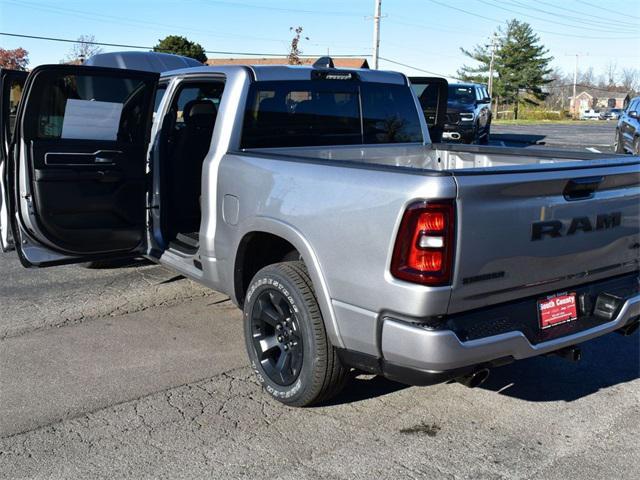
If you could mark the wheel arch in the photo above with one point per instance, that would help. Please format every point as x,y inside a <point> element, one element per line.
<point>279,236</point>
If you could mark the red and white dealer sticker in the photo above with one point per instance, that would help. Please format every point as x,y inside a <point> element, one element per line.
<point>557,309</point>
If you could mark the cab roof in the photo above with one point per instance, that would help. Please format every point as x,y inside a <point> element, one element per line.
<point>145,61</point>
<point>291,72</point>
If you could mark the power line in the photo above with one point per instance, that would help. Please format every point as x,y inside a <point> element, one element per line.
<point>626,15</point>
<point>122,45</point>
<point>419,69</point>
<point>140,23</point>
<point>109,19</point>
<point>562,24</point>
<point>542,31</point>
<point>599,21</point>
<point>281,9</point>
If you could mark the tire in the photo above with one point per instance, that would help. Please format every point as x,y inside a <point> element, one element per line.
<point>618,144</point>
<point>636,146</point>
<point>484,139</point>
<point>472,138</point>
<point>285,337</point>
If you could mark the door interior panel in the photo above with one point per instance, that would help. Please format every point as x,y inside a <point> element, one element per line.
<point>432,93</point>
<point>88,187</point>
<point>86,206</point>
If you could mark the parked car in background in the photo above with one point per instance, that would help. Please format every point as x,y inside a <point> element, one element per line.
<point>468,117</point>
<point>611,114</point>
<point>627,139</point>
<point>590,115</point>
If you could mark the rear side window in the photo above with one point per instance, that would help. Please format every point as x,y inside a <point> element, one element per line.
<point>89,106</point>
<point>318,113</point>
<point>389,114</point>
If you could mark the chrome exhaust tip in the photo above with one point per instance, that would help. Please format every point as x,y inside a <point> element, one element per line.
<point>474,379</point>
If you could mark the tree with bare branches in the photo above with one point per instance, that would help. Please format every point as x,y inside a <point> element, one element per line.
<point>295,52</point>
<point>83,49</point>
<point>630,78</point>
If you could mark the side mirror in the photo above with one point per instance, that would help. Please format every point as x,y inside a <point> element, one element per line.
<point>634,114</point>
<point>486,100</point>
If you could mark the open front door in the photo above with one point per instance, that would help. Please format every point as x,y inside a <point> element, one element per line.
<point>78,164</point>
<point>433,93</point>
<point>11,86</point>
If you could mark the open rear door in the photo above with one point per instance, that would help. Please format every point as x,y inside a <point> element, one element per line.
<point>432,92</point>
<point>11,86</point>
<point>78,164</point>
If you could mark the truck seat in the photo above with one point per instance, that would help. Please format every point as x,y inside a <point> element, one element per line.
<point>186,166</point>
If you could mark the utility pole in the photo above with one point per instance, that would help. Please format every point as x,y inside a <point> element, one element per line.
<point>575,84</point>
<point>376,33</point>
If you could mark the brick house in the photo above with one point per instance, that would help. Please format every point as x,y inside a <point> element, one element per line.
<point>597,100</point>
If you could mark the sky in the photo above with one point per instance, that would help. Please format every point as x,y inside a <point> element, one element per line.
<point>423,35</point>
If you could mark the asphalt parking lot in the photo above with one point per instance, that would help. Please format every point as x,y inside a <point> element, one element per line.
<point>592,136</point>
<point>133,372</point>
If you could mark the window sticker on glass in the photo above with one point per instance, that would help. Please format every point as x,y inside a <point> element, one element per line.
<point>91,120</point>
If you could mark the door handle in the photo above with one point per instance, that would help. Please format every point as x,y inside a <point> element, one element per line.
<point>106,156</point>
<point>101,157</point>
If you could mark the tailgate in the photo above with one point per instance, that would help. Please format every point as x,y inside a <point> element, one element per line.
<point>523,234</point>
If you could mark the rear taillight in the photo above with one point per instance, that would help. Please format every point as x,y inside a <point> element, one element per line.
<point>423,252</point>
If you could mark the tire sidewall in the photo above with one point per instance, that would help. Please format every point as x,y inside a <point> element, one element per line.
<point>619,147</point>
<point>267,279</point>
<point>484,140</point>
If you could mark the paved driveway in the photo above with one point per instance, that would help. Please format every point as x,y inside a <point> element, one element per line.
<point>136,373</point>
<point>594,136</point>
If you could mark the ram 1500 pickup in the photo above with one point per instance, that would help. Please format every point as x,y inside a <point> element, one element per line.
<point>315,199</point>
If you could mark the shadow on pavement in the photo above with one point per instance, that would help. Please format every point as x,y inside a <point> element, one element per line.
<point>518,139</point>
<point>606,361</point>
<point>118,263</point>
<point>363,388</point>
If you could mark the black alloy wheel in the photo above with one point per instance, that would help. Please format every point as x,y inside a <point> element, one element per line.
<point>287,343</point>
<point>276,337</point>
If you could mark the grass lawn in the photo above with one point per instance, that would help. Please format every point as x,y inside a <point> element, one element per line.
<point>544,122</point>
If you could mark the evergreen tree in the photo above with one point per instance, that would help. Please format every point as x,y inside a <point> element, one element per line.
<point>521,65</point>
<point>181,46</point>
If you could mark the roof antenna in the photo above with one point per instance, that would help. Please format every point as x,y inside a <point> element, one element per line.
<point>324,62</point>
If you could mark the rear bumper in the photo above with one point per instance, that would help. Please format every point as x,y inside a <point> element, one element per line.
<point>408,346</point>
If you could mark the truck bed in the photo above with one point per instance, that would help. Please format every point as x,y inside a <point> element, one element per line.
<point>502,195</point>
<point>460,159</point>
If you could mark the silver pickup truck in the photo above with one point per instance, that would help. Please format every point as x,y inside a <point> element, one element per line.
<point>315,199</point>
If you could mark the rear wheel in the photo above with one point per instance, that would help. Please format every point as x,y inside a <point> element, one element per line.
<point>286,340</point>
<point>618,143</point>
